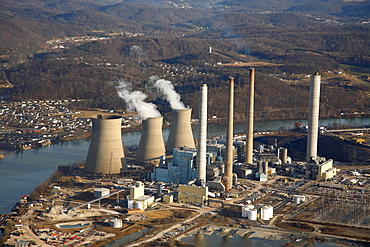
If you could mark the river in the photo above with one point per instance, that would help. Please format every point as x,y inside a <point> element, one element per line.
<point>21,172</point>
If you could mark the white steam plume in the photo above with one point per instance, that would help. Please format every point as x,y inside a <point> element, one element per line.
<point>135,101</point>
<point>168,91</point>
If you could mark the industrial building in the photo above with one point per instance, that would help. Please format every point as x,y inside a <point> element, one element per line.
<point>193,194</point>
<point>137,197</point>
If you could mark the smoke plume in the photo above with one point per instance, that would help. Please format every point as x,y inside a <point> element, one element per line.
<point>135,101</point>
<point>168,91</point>
<point>137,52</point>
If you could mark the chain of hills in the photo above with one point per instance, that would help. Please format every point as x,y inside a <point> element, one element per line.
<point>52,49</point>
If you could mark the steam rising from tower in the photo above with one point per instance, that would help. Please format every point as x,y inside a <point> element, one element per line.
<point>135,101</point>
<point>202,143</point>
<point>313,118</point>
<point>105,155</point>
<point>168,91</point>
<point>250,116</point>
<point>230,136</point>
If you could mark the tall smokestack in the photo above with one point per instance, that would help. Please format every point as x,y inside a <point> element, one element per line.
<point>250,116</point>
<point>202,143</point>
<point>105,155</point>
<point>181,133</point>
<point>151,146</point>
<point>313,118</point>
<point>230,136</point>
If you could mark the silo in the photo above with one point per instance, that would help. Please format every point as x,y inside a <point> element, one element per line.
<point>230,136</point>
<point>250,116</point>
<point>181,133</point>
<point>313,118</point>
<point>105,155</point>
<point>151,145</point>
<point>202,143</point>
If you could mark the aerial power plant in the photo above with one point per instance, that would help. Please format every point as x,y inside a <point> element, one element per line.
<point>105,155</point>
<point>256,185</point>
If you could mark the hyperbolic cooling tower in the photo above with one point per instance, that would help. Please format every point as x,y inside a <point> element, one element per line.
<point>105,155</point>
<point>202,143</point>
<point>313,117</point>
<point>180,132</point>
<point>250,116</point>
<point>151,146</point>
<point>230,136</point>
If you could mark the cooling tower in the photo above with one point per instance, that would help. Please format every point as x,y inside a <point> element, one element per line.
<point>180,132</point>
<point>105,155</point>
<point>313,118</point>
<point>202,143</point>
<point>230,136</point>
<point>151,146</point>
<point>250,116</point>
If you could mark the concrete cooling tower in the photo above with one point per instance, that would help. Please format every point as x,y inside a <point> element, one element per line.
<point>151,146</point>
<point>181,133</point>
<point>105,155</point>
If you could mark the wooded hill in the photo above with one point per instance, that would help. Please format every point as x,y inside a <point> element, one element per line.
<point>173,42</point>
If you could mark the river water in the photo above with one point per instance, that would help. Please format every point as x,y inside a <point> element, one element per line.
<point>21,172</point>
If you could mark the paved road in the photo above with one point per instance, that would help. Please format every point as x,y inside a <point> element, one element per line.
<point>162,233</point>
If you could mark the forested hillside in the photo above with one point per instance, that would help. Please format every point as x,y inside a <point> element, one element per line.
<point>82,48</point>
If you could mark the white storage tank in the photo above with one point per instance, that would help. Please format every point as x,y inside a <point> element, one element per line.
<point>100,192</point>
<point>252,214</point>
<point>299,199</point>
<point>116,223</point>
<point>267,212</point>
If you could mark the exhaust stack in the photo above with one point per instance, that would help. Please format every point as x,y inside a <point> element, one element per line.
<point>202,143</point>
<point>230,136</point>
<point>250,116</point>
<point>313,118</point>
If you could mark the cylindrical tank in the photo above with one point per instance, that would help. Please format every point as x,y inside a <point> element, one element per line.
<point>313,118</point>
<point>252,214</point>
<point>267,212</point>
<point>139,205</point>
<point>230,135</point>
<point>105,155</point>
<point>181,133</point>
<point>250,118</point>
<point>202,144</point>
<point>116,223</point>
<point>151,146</point>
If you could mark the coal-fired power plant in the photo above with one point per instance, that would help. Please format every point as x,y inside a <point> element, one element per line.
<point>151,145</point>
<point>250,116</point>
<point>230,136</point>
<point>105,155</point>
<point>181,133</point>
<point>202,141</point>
<point>313,118</point>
